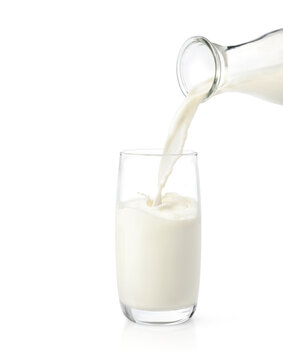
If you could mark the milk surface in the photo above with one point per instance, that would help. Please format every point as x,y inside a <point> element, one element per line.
<point>158,253</point>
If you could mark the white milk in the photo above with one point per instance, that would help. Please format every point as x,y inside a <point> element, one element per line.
<point>158,253</point>
<point>266,84</point>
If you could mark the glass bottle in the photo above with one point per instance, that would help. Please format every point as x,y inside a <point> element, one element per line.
<point>254,67</point>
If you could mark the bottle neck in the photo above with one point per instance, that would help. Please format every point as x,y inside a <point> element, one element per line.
<point>200,62</point>
<point>254,67</point>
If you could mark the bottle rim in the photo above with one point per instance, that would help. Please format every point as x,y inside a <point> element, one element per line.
<point>217,64</point>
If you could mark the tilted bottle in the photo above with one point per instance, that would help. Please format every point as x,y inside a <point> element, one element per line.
<point>254,67</point>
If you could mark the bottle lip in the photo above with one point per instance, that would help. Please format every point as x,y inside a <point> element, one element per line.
<point>217,64</point>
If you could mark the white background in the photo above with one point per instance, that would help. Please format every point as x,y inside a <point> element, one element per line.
<point>81,80</point>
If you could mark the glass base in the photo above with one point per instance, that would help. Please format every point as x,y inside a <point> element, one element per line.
<point>168,317</point>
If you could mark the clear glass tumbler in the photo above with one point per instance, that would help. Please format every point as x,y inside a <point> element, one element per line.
<point>158,247</point>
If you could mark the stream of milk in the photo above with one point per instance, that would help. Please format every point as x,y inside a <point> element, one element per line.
<point>177,136</point>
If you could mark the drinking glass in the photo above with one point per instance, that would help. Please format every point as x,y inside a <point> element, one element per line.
<point>158,248</point>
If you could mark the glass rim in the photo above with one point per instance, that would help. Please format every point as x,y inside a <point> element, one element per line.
<point>155,152</point>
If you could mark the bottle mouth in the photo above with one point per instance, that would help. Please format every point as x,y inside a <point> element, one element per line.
<point>198,63</point>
